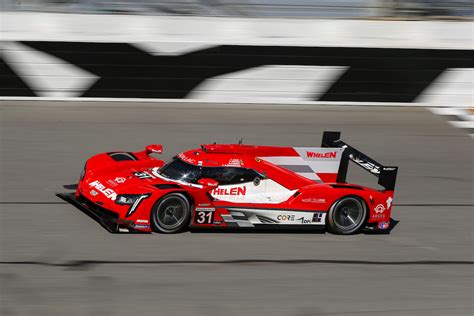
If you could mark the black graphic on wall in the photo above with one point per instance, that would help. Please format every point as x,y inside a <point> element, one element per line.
<point>373,75</point>
<point>11,84</point>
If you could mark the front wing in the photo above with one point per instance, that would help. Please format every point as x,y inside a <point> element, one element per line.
<point>107,219</point>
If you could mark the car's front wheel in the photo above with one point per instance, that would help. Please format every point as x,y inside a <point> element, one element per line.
<point>347,216</point>
<point>171,214</point>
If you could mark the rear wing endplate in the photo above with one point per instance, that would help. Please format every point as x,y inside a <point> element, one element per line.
<point>387,175</point>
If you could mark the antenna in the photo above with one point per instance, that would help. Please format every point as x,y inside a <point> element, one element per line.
<point>240,141</point>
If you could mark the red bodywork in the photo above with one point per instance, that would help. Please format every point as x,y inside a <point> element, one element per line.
<point>285,191</point>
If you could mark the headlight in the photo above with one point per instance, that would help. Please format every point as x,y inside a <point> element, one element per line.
<point>127,199</point>
<point>131,199</point>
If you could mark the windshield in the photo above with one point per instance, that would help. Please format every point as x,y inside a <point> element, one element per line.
<point>177,169</point>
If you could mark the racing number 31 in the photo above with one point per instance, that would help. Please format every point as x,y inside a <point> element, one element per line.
<point>204,217</point>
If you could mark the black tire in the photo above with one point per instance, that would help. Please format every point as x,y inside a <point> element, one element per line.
<point>171,214</point>
<point>347,216</point>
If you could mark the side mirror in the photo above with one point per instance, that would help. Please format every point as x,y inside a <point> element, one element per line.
<point>154,149</point>
<point>208,184</point>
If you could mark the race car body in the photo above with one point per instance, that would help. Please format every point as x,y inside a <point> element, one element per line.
<point>235,186</point>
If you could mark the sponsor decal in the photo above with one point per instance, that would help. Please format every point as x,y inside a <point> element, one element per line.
<point>234,163</point>
<point>293,219</point>
<point>93,193</point>
<point>109,193</point>
<point>384,225</point>
<point>267,192</point>
<point>365,164</point>
<point>314,200</point>
<point>317,217</point>
<point>389,202</point>
<point>120,179</point>
<point>187,159</point>
<point>377,216</point>
<point>142,226</point>
<point>205,209</point>
<point>285,217</point>
<point>303,220</point>
<point>379,209</point>
<point>314,154</point>
<point>229,191</point>
<point>142,221</point>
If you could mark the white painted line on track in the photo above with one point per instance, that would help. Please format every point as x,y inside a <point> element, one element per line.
<point>463,118</point>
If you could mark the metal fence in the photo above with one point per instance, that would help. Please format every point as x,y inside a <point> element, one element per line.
<point>397,9</point>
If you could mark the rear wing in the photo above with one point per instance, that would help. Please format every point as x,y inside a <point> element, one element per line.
<point>387,175</point>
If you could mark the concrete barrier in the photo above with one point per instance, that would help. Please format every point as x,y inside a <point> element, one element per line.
<point>236,60</point>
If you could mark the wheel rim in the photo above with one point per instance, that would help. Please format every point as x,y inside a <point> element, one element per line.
<point>171,213</point>
<point>349,214</point>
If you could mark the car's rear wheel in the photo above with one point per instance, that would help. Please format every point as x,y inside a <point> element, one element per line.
<point>171,214</point>
<point>347,216</point>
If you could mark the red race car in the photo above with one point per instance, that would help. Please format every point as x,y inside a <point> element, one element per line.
<point>235,186</point>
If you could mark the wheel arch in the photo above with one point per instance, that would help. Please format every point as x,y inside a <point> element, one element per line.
<point>182,192</point>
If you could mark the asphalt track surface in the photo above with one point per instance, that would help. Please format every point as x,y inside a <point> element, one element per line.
<point>57,261</point>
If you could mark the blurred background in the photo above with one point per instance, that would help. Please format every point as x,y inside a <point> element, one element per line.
<point>82,77</point>
<point>388,9</point>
